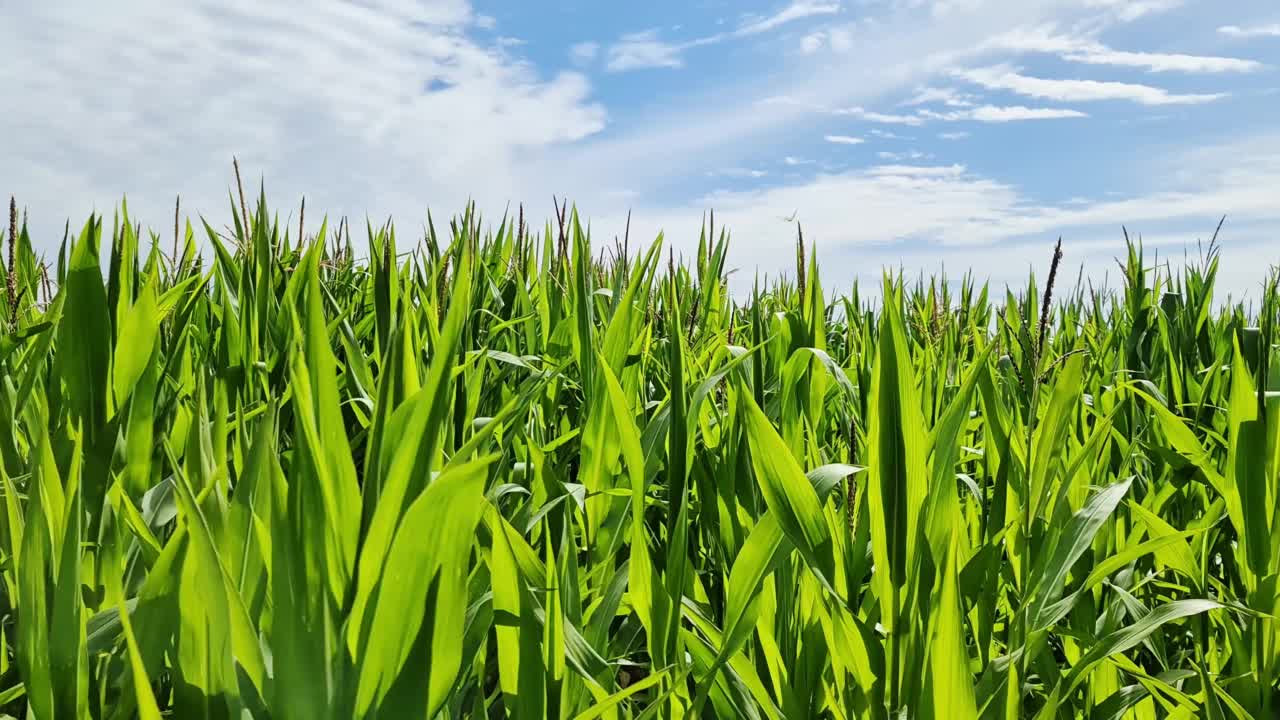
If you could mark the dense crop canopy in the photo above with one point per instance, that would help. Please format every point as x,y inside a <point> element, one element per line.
<point>500,473</point>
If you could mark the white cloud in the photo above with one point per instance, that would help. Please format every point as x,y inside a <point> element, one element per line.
<point>946,96</point>
<point>1250,32</point>
<point>894,202</point>
<point>899,157</point>
<point>997,114</point>
<point>787,100</point>
<point>1045,39</point>
<point>643,50</point>
<point>841,39</point>
<point>963,111</point>
<point>1161,62</point>
<point>917,171</point>
<point>1130,10</point>
<point>844,139</point>
<point>877,117</point>
<point>486,22</point>
<point>812,43</point>
<point>584,52</point>
<point>953,135</point>
<point>1041,38</point>
<point>943,8</point>
<point>797,10</point>
<point>396,93</point>
<point>886,135</point>
<point>858,112</point>
<point>1004,78</point>
<point>960,112</point>
<point>1003,114</point>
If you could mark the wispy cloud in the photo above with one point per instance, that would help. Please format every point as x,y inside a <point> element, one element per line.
<point>1070,90</point>
<point>904,156</point>
<point>643,50</point>
<point>844,139</point>
<point>917,170</point>
<point>1130,10</point>
<point>812,42</point>
<point>1045,39</point>
<point>886,135</point>
<point>953,135</point>
<point>1003,114</point>
<point>947,96</point>
<point>840,39</point>
<point>960,110</point>
<point>878,117</point>
<point>1237,31</point>
<point>584,52</point>
<point>1161,62</point>
<point>797,10</point>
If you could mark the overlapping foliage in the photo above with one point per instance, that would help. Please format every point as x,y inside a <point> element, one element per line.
<point>500,473</point>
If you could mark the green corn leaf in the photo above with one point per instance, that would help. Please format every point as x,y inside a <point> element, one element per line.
<point>147,707</point>
<point>790,497</point>
<point>951,680</point>
<point>1131,635</point>
<point>1074,539</point>
<point>139,331</point>
<point>443,520</point>
<point>84,336</point>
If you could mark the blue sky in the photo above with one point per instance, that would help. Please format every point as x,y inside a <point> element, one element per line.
<point>914,133</point>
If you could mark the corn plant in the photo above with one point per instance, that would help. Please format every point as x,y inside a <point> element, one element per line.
<point>269,471</point>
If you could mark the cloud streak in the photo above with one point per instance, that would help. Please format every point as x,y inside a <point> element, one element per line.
<point>877,117</point>
<point>643,50</point>
<point>1070,90</point>
<point>1130,10</point>
<point>797,10</point>
<point>1161,62</point>
<point>947,96</point>
<point>959,112</point>
<point>1256,31</point>
<point>1003,114</point>
<point>1091,52</point>
<point>646,50</point>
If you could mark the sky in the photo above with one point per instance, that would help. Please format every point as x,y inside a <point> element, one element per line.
<point>924,135</point>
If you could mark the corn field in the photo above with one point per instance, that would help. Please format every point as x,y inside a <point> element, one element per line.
<point>269,471</point>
